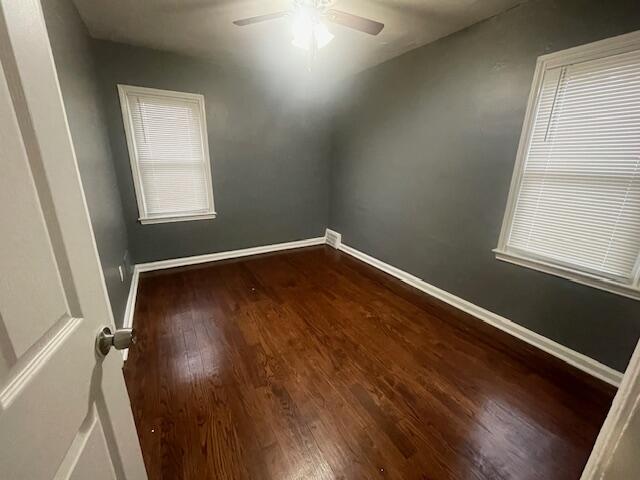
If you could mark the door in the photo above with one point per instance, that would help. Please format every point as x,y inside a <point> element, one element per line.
<point>64,410</point>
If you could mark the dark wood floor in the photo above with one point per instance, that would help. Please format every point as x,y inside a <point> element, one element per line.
<point>311,365</point>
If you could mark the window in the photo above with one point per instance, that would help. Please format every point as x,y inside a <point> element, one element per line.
<point>169,152</point>
<point>574,204</point>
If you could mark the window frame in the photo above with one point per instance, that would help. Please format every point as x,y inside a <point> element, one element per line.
<point>592,51</point>
<point>143,217</point>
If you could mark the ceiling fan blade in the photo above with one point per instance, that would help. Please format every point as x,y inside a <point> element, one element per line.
<point>354,21</point>
<point>260,18</point>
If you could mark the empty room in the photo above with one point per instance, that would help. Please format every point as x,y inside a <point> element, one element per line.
<point>320,239</point>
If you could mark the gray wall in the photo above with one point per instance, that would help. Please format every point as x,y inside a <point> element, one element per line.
<point>268,152</point>
<point>422,153</point>
<point>423,156</point>
<point>74,57</point>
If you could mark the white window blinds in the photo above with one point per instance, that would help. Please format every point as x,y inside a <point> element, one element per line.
<point>167,141</point>
<point>577,203</point>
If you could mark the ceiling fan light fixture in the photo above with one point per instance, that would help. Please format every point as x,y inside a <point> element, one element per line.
<point>306,28</point>
<point>323,35</point>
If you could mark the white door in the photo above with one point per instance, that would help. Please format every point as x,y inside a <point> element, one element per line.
<point>64,411</point>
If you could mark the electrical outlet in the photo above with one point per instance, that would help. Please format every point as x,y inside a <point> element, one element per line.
<point>121,270</point>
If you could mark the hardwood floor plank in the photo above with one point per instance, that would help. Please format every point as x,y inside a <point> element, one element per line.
<point>309,364</point>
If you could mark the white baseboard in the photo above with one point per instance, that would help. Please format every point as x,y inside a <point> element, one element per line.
<point>129,310</point>
<point>210,257</point>
<point>214,257</point>
<point>576,359</point>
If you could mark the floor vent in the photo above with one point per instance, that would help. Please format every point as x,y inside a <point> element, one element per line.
<point>333,238</point>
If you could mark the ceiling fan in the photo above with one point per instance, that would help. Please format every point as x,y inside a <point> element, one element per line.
<point>309,29</point>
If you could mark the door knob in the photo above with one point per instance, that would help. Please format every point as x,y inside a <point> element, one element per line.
<point>120,339</point>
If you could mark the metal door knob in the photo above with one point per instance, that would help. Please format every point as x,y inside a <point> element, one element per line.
<point>120,339</point>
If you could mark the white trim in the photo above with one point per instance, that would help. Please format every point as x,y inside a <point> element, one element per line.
<point>569,356</point>
<point>129,311</point>
<point>565,354</point>
<point>610,46</point>
<point>570,274</point>
<point>625,404</point>
<point>214,257</point>
<point>177,218</point>
<point>589,51</point>
<point>144,217</point>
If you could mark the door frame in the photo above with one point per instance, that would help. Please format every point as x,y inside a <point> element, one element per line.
<point>625,404</point>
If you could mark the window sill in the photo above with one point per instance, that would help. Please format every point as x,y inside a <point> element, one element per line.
<point>179,218</point>
<point>605,284</point>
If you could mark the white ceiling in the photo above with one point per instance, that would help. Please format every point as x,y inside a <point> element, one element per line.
<point>203,28</point>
